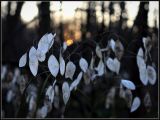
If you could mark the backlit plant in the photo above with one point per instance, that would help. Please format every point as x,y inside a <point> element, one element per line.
<point>89,71</point>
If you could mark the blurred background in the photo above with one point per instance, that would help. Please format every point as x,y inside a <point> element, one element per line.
<point>24,23</point>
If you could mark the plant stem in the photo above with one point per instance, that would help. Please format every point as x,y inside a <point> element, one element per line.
<point>41,89</point>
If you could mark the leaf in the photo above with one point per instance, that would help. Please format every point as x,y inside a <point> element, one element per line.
<point>66,92</point>
<point>33,61</point>
<point>46,42</point>
<point>128,84</point>
<point>62,64</point>
<point>136,103</point>
<point>53,65</point>
<point>100,68</point>
<point>23,60</point>
<point>151,75</point>
<point>98,52</point>
<point>76,81</point>
<point>112,45</point>
<point>70,70</point>
<point>83,64</point>
<point>113,65</point>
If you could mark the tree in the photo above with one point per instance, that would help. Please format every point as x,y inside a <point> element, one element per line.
<point>44,18</point>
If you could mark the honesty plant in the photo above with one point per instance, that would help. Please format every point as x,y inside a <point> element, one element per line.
<point>62,64</point>
<point>147,72</point>
<point>136,103</point>
<point>83,64</point>
<point>66,92</point>
<point>128,84</point>
<point>113,65</point>
<point>23,60</point>
<point>50,92</point>
<point>53,65</point>
<point>70,70</point>
<point>88,72</point>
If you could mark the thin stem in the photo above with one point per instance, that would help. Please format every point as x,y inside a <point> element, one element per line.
<point>41,89</point>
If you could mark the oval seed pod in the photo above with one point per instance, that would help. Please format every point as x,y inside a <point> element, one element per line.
<point>139,57</point>
<point>83,64</point>
<point>128,84</point>
<point>113,65</point>
<point>23,60</point>
<point>135,105</point>
<point>76,81</point>
<point>46,42</point>
<point>100,68</point>
<point>53,65</point>
<point>62,64</point>
<point>151,75</point>
<point>112,45</point>
<point>33,61</point>
<point>70,70</point>
<point>66,92</point>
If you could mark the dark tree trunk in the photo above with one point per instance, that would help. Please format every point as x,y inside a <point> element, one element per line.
<point>12,24</point>
<point>103,11</point>
<point>141,19</point>
<point>44,18</point>
<point>91,18</point>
